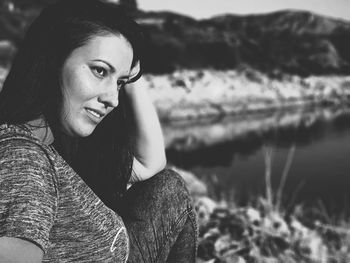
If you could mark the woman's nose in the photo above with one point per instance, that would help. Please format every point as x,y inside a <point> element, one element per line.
<point>110,97</point>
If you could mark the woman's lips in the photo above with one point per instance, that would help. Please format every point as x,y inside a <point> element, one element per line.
<point>96,115</point>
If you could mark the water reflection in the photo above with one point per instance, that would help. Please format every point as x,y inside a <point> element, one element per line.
<point>228,154</point>
<point>190,144</point>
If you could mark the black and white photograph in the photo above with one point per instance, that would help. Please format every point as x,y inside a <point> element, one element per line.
<point>187,131</point>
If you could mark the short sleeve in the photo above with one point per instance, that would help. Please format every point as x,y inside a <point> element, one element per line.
<point>28,193</point>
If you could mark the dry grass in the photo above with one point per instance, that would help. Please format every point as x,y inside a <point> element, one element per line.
<point>265,233</point>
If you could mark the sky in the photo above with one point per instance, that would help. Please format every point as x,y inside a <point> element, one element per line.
<point>207,8</point>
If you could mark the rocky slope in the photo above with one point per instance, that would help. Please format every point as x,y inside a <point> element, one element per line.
<point>289,41</point>
<point>192,94</point>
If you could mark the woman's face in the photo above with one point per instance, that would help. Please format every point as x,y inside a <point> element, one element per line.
<point>91,78</point>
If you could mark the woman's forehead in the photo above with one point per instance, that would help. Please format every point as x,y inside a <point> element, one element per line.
<point>114,49</point>
<point>107,43</point>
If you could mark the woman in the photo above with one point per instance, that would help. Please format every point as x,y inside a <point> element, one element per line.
<point>74,132</point>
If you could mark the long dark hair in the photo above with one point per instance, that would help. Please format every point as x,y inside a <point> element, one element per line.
<point>32,90</point>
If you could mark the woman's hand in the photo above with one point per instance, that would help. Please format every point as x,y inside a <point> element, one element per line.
<point>149,152</point>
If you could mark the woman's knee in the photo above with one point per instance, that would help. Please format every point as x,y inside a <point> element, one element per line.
<point>171,179</point>
<point>166,189</point>
<point>170,185</point>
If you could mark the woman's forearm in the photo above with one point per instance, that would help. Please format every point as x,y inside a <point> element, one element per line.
<point>148,145</point>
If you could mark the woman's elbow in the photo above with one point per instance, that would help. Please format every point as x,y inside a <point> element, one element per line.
<point>158,165</point>
<point>163,162</point>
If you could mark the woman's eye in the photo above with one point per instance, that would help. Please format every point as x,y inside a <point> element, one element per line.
<point>99,71</point>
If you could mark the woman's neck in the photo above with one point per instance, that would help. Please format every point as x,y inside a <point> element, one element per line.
<point>41,130</point>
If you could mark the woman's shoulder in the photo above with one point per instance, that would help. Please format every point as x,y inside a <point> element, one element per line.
<point>18,145</point>
<point>12,131</point>
<point>19,135</point>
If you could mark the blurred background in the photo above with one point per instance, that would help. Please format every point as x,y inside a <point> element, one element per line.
<point>245,91</point>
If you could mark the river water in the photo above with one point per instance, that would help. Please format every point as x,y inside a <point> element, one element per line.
<point>230,155</point>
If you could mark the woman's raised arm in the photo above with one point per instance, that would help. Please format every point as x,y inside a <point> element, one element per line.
<point>148,146</point>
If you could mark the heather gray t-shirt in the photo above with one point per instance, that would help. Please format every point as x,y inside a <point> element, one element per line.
<point>44,201</point>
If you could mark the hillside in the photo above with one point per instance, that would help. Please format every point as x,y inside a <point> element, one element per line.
<point>289,41</point>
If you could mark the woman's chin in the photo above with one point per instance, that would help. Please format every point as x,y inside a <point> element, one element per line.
<point>84,132</point>
<point>79,131</point>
